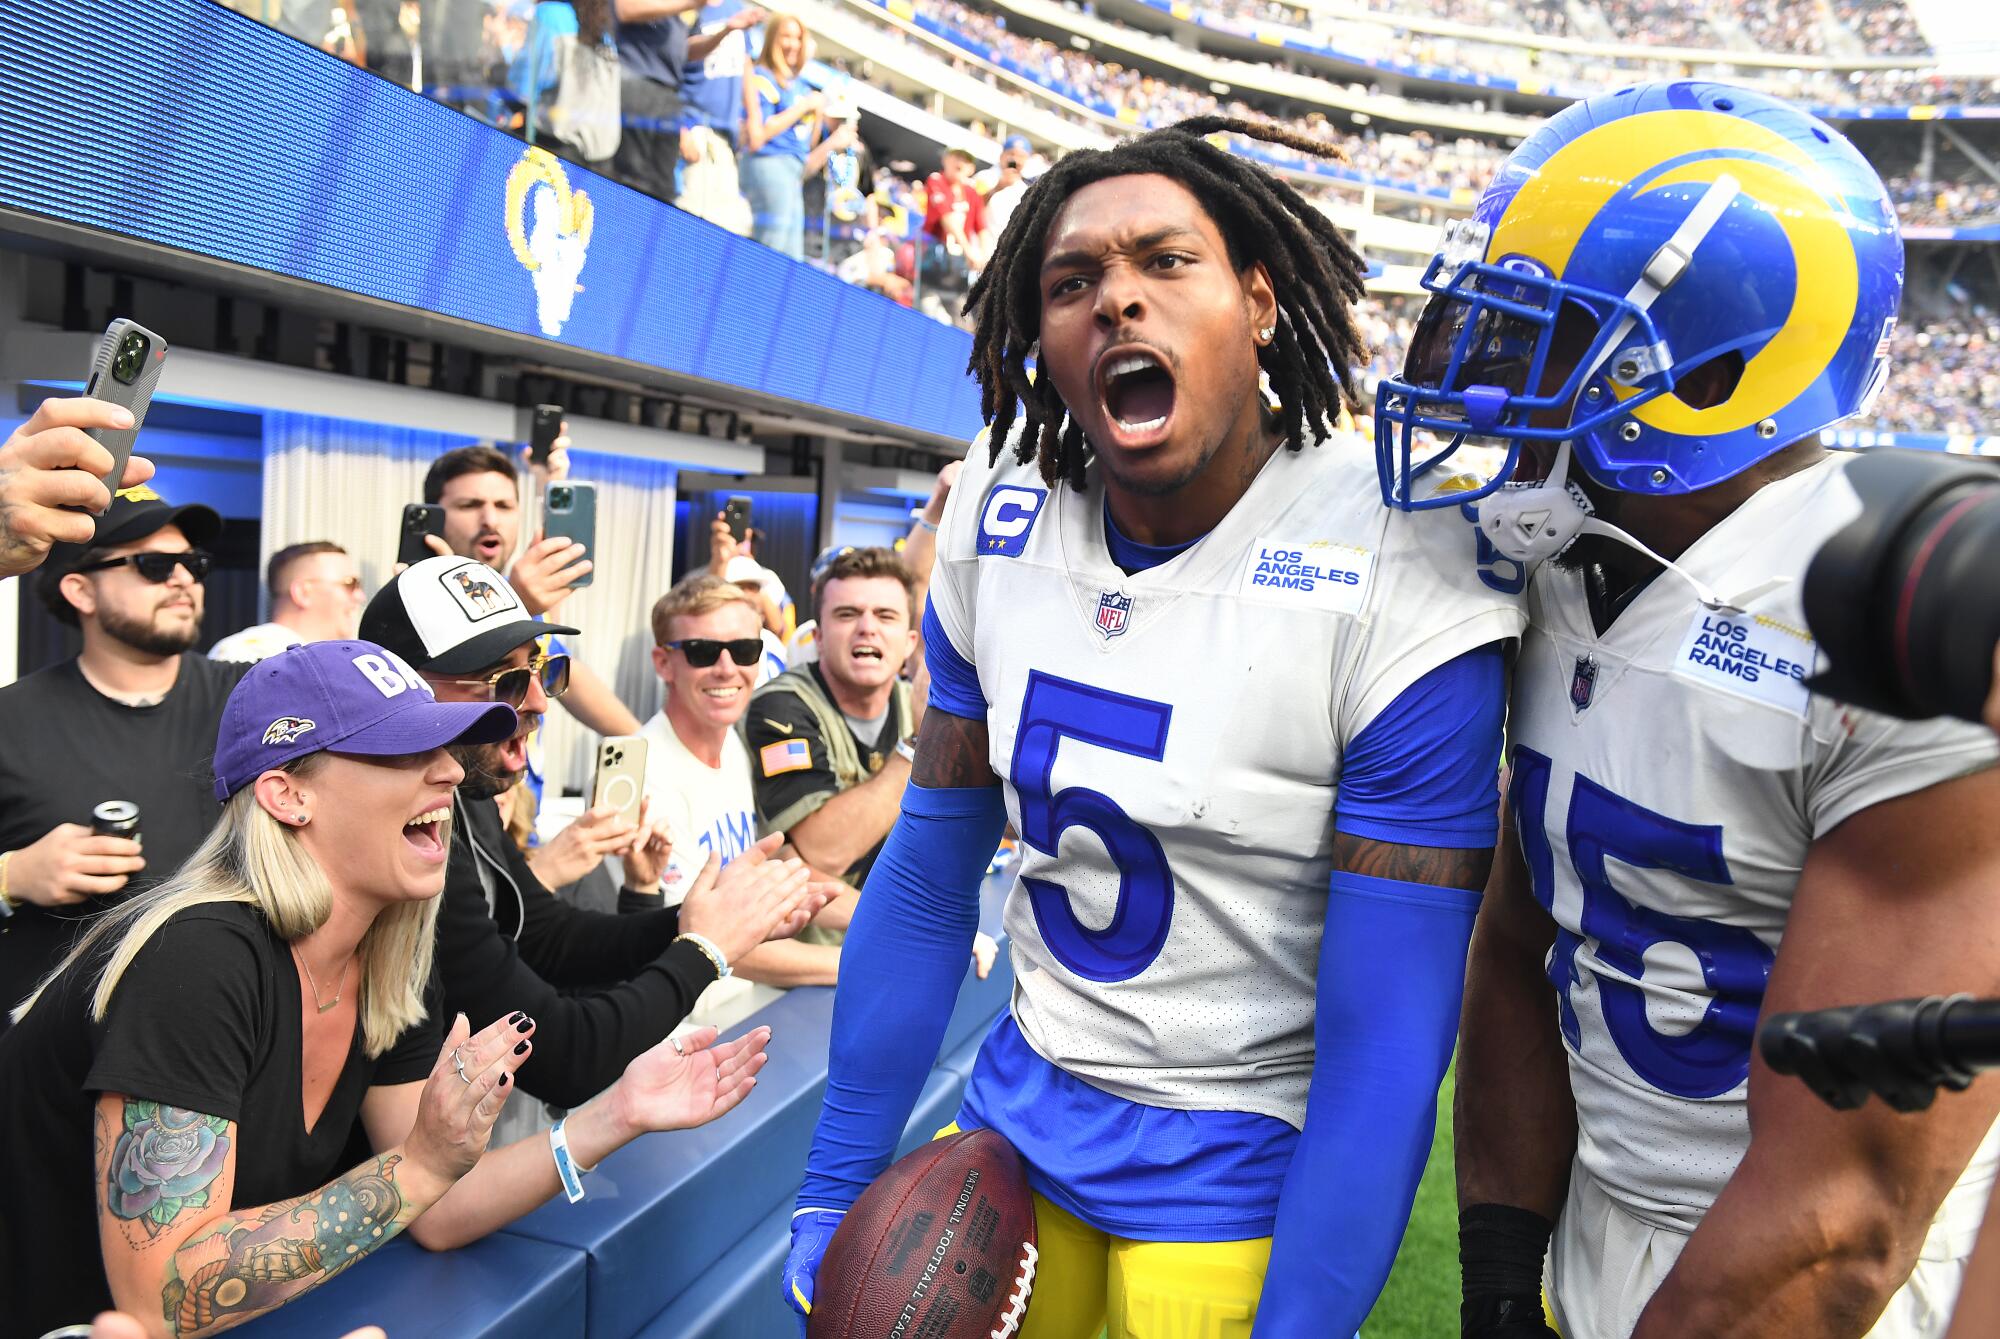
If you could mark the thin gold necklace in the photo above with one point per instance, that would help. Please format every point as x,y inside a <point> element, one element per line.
<point>313,985</point>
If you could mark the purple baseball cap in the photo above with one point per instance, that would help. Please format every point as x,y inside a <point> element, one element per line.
<point>343,697</point>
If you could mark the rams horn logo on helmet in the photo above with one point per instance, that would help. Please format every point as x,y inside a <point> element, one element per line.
<point>287,729</point>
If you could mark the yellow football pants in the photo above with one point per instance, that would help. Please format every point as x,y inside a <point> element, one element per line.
<point>1089,1283</point>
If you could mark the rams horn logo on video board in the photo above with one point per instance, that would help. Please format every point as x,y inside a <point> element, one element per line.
<point>548,225</point>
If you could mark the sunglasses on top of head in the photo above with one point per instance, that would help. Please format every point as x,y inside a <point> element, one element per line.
<point>157,567</point>
<point>701,652</point>
<point>510,686</point>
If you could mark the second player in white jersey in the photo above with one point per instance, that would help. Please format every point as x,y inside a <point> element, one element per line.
<point>1669,778</point>
<point>1171,743</point>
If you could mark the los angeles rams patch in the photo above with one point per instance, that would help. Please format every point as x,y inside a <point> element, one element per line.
<point>1750,655</point>
<point>1007,519</point>
<point>1318,574</point>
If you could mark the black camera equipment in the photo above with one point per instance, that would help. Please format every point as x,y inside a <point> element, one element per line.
<point>1905,600</point>
<point>1903,1051</point>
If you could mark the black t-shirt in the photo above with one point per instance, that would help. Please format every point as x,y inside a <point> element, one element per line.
<point>781,779</point>
<point>205,1018</point>
<point>65,748</point>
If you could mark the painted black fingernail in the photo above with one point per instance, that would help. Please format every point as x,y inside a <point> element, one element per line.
<point>516,1016</point>
<point>504,1078</point>
<point>523,1023</point>
<point>521,1049</point>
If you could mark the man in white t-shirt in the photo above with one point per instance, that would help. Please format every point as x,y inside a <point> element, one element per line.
<point>707,652</point>
<point>315,597</point>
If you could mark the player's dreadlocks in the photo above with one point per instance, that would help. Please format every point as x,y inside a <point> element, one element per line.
<point>1315,275</point>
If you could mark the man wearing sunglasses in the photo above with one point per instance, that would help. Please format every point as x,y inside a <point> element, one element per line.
<point>132,717</point>
<point>316,596</point>
<point>601,988</point>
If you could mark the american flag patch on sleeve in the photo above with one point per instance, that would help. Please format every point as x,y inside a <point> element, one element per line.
<point>786,755</point>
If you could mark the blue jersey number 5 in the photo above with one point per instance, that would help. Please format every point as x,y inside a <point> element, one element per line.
<point>1712,1057</point>
<point>1055,709</point>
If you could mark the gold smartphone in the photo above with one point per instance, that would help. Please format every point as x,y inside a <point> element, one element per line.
<point>620,782</point>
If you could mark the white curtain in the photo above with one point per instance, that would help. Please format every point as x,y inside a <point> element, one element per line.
<point>348,481</point>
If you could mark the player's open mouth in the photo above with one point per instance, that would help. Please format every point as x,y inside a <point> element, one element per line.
<point>866,653</point>
<point>1137,391</point>
<point>426,833</point>
<point>488,548</point>
<point>514,754</point>
<point>728,693</point>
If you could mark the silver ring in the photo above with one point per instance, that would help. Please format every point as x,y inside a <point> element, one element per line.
<point>678,1048</point>
<point>458,1063</point>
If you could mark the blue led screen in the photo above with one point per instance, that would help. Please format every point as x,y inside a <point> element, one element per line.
<point>183,123</point>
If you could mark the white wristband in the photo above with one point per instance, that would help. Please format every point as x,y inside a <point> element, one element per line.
<point>567,1170</point>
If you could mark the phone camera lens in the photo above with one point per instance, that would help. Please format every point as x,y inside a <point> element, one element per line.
<point>558,497</point>
<point>130,359</point>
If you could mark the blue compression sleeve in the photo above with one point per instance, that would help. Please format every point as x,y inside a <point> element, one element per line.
<point>1426,770</point>
<point>1391,973</point>
<point>954,683</point>
<point>900,970</point>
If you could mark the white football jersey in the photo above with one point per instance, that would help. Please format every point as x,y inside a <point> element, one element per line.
<point>1171,741</point>
<point>1668,780</point>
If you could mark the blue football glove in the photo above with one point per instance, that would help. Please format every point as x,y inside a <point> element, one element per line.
<point>812,1233</point>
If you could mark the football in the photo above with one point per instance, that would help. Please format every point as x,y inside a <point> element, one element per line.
<point>942,1246</point>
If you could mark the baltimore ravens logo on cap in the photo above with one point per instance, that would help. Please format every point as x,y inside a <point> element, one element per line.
<point>287,729</point>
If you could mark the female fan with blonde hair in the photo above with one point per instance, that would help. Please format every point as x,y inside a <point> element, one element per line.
<point>204,1053</point>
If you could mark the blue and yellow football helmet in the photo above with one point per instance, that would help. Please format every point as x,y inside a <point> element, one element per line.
<point>1633,239</point>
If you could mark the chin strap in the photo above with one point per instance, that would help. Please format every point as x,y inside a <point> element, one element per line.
<point>1532,523</point>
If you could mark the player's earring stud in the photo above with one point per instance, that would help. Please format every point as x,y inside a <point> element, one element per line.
<point>1264,335</point>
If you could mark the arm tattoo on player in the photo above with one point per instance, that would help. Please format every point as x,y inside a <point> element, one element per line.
<point>162,1165</point>
<point>951,751</point>
<point>1439,866</point>
<point>244,1265</point>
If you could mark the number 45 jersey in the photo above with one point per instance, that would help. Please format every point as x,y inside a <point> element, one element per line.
<point>1668,780</point>
<point>1171,742</point>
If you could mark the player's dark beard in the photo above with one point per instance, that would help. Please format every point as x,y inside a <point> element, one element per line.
<point>141,635</point>
<point>484,776</point>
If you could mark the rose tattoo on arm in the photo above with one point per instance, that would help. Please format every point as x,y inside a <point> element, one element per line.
<point>165,1160</point>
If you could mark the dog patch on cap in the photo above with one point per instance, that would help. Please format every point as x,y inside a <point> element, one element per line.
<point>287,729</point>
<point>477,596</point>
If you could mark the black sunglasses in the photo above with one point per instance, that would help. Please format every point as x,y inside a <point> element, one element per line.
<point>510,686</point>
<point>157,567</point>
<point>701,652</point>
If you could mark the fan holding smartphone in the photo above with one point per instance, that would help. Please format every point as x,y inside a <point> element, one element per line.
<point>58,469</point>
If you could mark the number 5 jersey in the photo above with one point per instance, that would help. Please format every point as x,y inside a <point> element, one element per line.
<point>1171,744</point>
<point>1668,780</point>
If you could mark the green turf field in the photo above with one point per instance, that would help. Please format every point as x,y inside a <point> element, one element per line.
<point>1421,1301</point>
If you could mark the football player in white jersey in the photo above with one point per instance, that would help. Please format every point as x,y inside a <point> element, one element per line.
<point>1659,303</point>
<point>1228,702</point>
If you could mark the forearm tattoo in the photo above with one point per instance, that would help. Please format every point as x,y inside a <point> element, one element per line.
<point>160,1170</point>
<point>951,751</point>
<point>1439,866</point>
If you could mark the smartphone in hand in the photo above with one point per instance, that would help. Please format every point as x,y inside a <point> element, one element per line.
<point>542,435</point>
<point>569,511</point>
<point>620,782</point>
<point>419,519</point>
<point>124,371</point>
<point>736,514</point>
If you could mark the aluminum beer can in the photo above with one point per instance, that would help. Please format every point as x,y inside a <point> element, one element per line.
<point>115,818</point>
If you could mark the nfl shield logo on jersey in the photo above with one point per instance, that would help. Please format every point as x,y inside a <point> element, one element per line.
<point>1112,611</point>
<point>1581,682</point>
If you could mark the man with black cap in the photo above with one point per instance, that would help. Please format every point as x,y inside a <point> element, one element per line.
<point>132,718</point>
<point>601,988</point>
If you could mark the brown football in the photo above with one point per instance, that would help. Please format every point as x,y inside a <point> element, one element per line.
<point>942,1246</point>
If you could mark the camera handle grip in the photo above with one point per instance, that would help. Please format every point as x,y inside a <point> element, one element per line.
<point>1902,1050</point>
